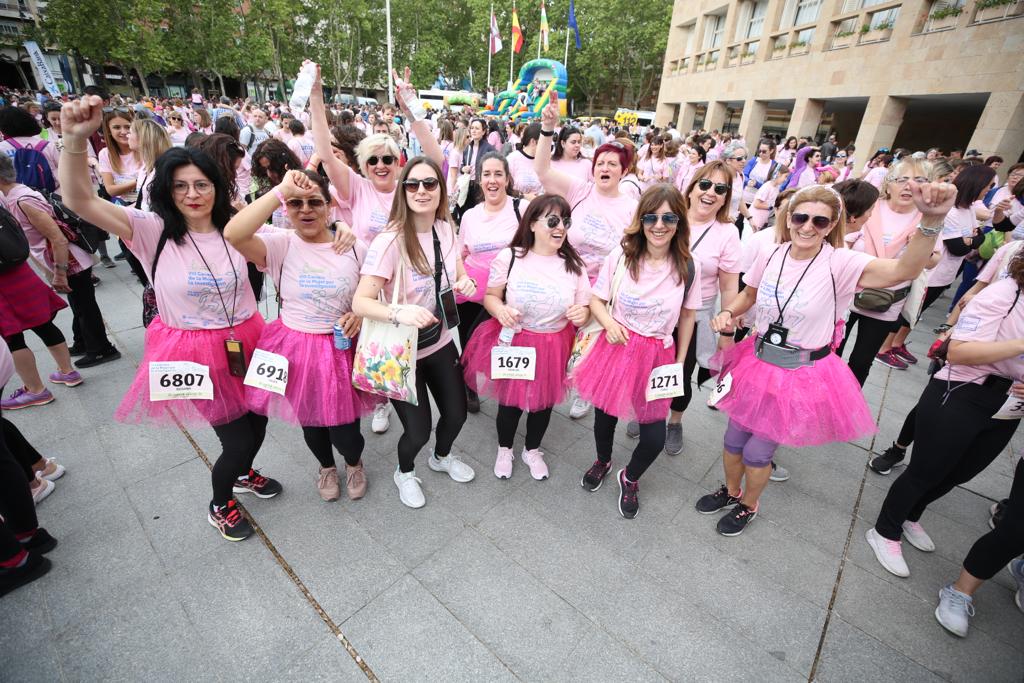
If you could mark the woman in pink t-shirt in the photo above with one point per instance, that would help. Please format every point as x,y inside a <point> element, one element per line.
<point>176,129</point>
<point>522,163</point>
<point>421,234</point>
<point>208,317</point>
<point>537,291</point>
<point>787,153</point>
<point>764,200</point>
<point>646,297</point>
<point>316,284</point>
<point>785,386</point>
<point>653,165</point>
<point>567,156</point>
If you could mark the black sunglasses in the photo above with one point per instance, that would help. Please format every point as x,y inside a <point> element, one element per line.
<point>649,220</point>
<point>313,203</point>
<point>820,222</point>
<point>413,185</point>
<point>720,188</point>
<point>117,110</point>
<point>387,159</point>
<point>553,220</point>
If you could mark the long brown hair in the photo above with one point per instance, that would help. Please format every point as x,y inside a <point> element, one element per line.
<point>114,148</point>
<point>706,171</point>
<point>634,242</point>
<point>524,239</point>
<point>401,218</point>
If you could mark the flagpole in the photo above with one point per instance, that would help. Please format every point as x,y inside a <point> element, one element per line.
<point>511,51</point>
<point>391,86</point>
<point>490,53</point>
<point>565,62</point>
<point>540,35</point>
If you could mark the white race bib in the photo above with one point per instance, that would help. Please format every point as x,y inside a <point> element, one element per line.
<point>178,380</point>
<point>665,381</point>
<point>1013,409</point>
<point>722,388</point>
<point>267,371</point>
<point>513,362</point>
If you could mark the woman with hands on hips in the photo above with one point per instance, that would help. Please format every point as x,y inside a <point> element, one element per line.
<point>419,237</point>
<point>316,327</point>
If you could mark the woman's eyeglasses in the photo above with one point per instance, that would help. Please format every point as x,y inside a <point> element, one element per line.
<point>704,185</point>
<point>387,159</point>
<point>200,186</point>
<point>413,184</point>
<point>297,204</point>
<point>819,222</point>
<point>649,220</point>
<point>553,220</point>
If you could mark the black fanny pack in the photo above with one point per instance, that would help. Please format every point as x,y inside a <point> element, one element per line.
<point>879,300</point>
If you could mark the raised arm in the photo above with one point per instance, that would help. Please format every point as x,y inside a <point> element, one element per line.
<point>428,142</point>
<point>934,201</point>
<point>241,229</point>
<point>80,119</point>
<point>338,173</point>
<point>554,182</point>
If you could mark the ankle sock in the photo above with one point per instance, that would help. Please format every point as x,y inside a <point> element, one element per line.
<point>19,559</point>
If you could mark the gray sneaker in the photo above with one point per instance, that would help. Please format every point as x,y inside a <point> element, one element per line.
<point>779,473</point>
<point>1016,568</point>
<point>954,611</point>
<point>674,438</point>
<point>633,429</point>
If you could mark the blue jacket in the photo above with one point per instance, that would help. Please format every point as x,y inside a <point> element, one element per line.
<point>750,167</point>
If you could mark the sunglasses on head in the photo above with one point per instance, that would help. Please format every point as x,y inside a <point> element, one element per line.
<point>553,220</point>
<point>413,185</point>
<point>705,184</point>
<point>311,202</point>
<point>649,220</point>
<point>116,110</point>
<point>819,222</point>
<point>387,159</point>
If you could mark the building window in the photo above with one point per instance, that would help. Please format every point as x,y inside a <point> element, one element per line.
<point>943,14</point>
<point>714,30</point>
<point>885,19</point>
<point>757,14</point>
<point>9,28</point>
<point>806,12</point>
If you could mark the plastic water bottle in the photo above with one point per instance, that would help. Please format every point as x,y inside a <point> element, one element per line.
<point>341,340</point>
<point>303,86</point>
<point>505,336</point>
<point>414,103</point>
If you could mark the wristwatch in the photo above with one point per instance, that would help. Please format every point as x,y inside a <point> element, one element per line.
<point>928,232</point>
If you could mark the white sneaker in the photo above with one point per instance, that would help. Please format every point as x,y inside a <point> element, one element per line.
<point>409,490</point>
<point>41,488</point>
<point>53,470</point>
<point>535,461</point>
<point>918,537</point>
<point>888,553</point>
<point>954,611</point>
<point>579,408</point>
<point>453,465</point>
<point>381,418</point>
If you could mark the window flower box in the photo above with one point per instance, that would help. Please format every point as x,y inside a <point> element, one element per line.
<point>843,39</point>
<point>798,48</point>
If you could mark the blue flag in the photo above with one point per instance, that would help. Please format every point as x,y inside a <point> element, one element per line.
<point>572,22</point>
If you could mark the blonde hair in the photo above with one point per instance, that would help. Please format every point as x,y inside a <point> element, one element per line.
<point>827,196</point>
<point>905,167</point>
<point>371,145</point>
<point>153,141</point>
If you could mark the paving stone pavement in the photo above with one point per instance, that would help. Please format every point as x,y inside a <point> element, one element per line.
<point>492,580</point>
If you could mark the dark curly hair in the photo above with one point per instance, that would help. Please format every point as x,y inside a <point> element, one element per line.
<point>280,158</point>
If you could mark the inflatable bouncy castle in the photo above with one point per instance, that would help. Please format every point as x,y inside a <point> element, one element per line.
<point>538,78</point>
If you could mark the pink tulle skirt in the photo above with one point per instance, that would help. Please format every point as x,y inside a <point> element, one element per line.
<point>319,391</point>
<point>205,347</point>
<point>549,384</point>
<point>809,406</point>
<point>614,377</point>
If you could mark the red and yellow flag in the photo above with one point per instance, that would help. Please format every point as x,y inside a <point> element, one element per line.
<point>517,32</point>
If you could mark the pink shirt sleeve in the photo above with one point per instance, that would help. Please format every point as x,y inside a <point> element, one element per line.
<point>381,257</point>
<point>602,285</point>
<point>276,243</point>
<point>752,277</point>
<point>578,190</point>
<point>103,161</point>
<point>498,275</point>
<point>583,291</point>
<point>732,250</point>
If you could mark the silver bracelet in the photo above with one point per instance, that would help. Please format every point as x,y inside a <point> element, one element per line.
<point>928,232</point>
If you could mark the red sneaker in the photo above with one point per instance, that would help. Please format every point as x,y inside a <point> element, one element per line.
<point>904,355</point>
<point>891,360</point>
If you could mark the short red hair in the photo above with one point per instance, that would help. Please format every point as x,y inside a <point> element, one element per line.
<point>624,152</point>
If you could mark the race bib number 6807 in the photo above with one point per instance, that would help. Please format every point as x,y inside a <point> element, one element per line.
<point>178,380</point>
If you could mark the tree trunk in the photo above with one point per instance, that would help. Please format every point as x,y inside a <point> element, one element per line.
<point>167,89</point>
<point>277,63</point>
<point>220,80</point>
<point>196,82</point>
<point>127,74</point>
<point>142,80</point>
<point>590,105</point>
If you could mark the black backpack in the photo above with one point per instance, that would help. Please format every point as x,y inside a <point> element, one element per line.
<point>13,242</point>
<point>86,235</point>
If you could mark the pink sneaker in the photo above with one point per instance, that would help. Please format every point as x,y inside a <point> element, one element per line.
<point>503,463</point>
<point>23,398</point>
<point>904,355</point>
<point>535,461</point>
<point>70,379</point>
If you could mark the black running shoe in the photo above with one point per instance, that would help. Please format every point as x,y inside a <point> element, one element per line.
<point>76,350</point>
<point>40,543</point>
<point>736,520</point>
<point>713,502</point>
<point>472,401</point>
<point>229,521</point>
<point>257,484</point>
<point>594,477</point>
<point>997,512</point>
<point>629,502</point>
<point>892,457</point>
<point>31,569</point>
<point>91,359</point>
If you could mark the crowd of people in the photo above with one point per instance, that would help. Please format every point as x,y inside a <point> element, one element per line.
<point>432,262</point>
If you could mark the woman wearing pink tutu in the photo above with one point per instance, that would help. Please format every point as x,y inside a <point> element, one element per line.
<point>655,286</point>
<point>537,287</point>
<point>316,285</point>
<point>486,229</point>
<point>208,315</point>
<point>785,386</point>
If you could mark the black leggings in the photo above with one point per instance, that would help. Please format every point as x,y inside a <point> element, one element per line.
<point>441,373</point>
<point>681,403</point>
<point>87,328</point>
<point>508,422</point>
<point>994,550</point>
<point>24,453</point>
<point>955,442</point>
<point>346,438</point>
<point>133,263</point>
<point>469,311</point>
<point>48,332</point>
<point>906,436</point>
<point>652,441</point>
<point>932,295</point>
<point>240,440</point>
<point>16,504</point>
<point>870,336</point>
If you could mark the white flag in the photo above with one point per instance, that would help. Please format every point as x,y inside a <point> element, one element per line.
<point>495,36</point>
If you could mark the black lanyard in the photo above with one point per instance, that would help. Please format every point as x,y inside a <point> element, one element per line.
<point>234,298</point>
<point>778,281</point>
